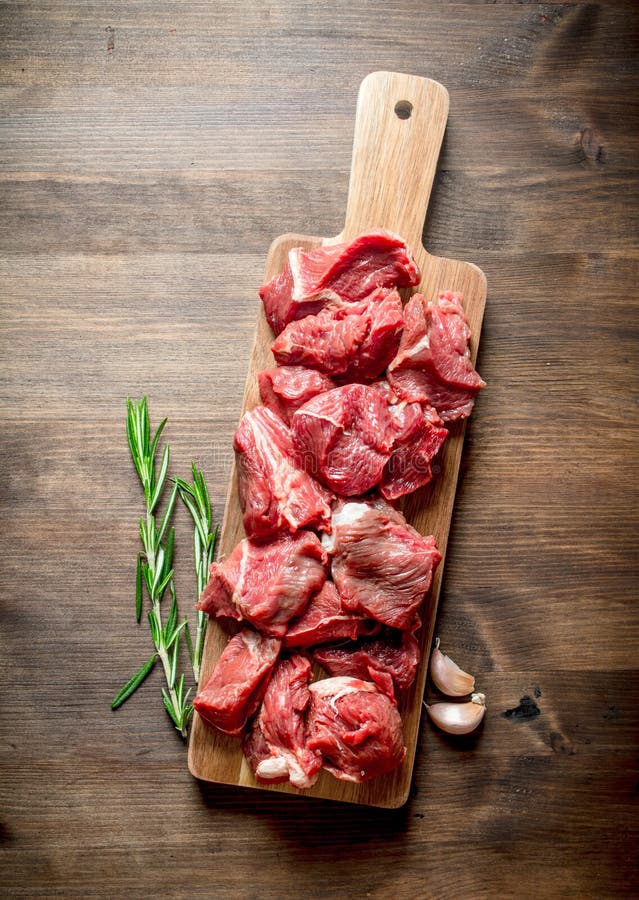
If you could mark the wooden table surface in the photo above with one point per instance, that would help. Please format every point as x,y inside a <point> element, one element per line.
<point>150,152</point>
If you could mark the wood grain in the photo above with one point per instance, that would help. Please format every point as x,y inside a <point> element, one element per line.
<point>139,189</point>
<point>394,162</point>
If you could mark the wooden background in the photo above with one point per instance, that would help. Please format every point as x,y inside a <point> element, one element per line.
<point>150,152</point>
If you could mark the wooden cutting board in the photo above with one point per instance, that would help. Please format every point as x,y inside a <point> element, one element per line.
<point>399,128</point>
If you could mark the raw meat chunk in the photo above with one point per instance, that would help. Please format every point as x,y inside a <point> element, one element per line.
<point>419,436</point>
<point>354,341</point>
<point>344,437</point>
<point>276,746</point>
<point>342,272</point>
<point>356,727</point>
<point>284,389</point>
<point>433,362</point>
<point>327,342</point>
<point>217,597</point>
<point>385,322</point>
<point>238,681</point>
<point>397,653</point>
<point>382,567</point>
<point>325,619</point>
<point>275,494</point>
<point>267,584</point>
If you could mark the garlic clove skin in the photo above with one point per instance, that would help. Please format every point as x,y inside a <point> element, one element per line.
<point>447,676</point>
<point>458,718</point>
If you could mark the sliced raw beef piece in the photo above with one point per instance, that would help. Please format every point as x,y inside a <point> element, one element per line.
<point>327,342</point>
<point>344,437</point>
<point>381,567</point>
<point>419,436</point>
<point>284,389</point>
<point>325,619</point>
<point>217,597</point>
<point>356,727</point>
<point>275,494</point>
<point>354,342</point>
<point>346,272</point>
<point>276,747</point>
<point>238,681</point>
<point>267,584</point>
<point>398,654</point>
<point>433,362</point>
<point>385,322</point>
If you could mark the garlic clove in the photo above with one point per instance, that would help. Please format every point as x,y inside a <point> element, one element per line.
<point>458,718</point>
<point>447,676</point>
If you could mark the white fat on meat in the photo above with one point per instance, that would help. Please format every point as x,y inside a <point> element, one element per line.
<point>297,294</point>
<point>339,686</point>
<point>347,515</point>
<point>422,344</point>
<point>272,768</point>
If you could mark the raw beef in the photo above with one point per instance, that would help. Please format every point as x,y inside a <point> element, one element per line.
<point>325,619</point>
<point>342,272</point>
<point>381,566</point>
<point>267,584</point>
<point>344,437</point>
<point>419,436</point>
<point>385,322</point>
<point>327,342</point>
<point>275,494</point>
<point>354,342</point>
<point>433,362</point>
<point>276,746</point>
<point>356,727</point>
<point>238,681</point>
<point>284,389</point>
<point>397,653</point>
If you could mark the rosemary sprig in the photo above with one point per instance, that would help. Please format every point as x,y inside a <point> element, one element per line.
<point>155,565</point>
<point>196,499</point>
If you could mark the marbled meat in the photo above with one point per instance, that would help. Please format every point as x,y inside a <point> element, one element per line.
<point>276,745</point>
<point>340,272</point>
<point>382,567</point>
<point>284,389</point>
<point>433,362</point>
<point>350,342</point>
<point>238,681</point>
<point>356,727</point>
<point>276,495</point>
<point>267,584</point>
<point>344,438</point>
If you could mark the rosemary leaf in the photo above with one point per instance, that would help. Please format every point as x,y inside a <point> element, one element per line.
<point>189,643</point>
<point>173,658</point>
<point>163,584</point>
<point>168,705</point>
<point>167,513</point>
<point>161,479</point>
<point>168,551</point>
<point>156,436</point>
<point>195,515</point>
<point>170,641</point>
<point>148,578</point>
<point>138,588</point>
<point>171,621</point>
<point>155,632</point>
<point>133,683</point>
<point>158,569</point>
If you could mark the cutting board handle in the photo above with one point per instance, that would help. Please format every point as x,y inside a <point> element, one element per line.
<point>399,128</point>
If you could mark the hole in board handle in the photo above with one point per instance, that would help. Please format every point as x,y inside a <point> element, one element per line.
<point>403,109</point>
